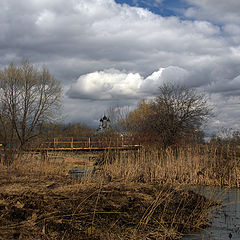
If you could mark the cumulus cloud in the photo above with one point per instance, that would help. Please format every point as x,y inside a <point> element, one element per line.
<point>221,11</point>
<point>226,110</point>
<point>113,84</point>
<point>115,36</point>
<point>228,87</point>
<point>106,85</point>
<point>78,40</point>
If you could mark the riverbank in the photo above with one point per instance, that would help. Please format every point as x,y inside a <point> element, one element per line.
<point>43,202</point>
<point>64,209</point>
<point>206,165</point>
<point>225,222</point>
<point>130,195</point>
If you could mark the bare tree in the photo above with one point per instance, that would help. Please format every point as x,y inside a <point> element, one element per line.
<point>29,97</point>
<point>117,116</point>
<point>77,130</point>
<point>176,113</point>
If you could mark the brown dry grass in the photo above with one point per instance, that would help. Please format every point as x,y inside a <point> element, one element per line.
<point>133,195</point>
<point>198,165</point>
<point>113,211</point>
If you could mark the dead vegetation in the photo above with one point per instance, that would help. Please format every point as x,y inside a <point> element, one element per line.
<point>113,211</point>
<point>191,165</point>
<point>131,195</point>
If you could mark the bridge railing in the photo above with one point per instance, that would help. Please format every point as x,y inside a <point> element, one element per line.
<point>88,143</point>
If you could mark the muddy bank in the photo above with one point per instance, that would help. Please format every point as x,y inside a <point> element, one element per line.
<point>112,211</point>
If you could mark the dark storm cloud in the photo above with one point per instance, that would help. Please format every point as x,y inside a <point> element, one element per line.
<point>110,54</point>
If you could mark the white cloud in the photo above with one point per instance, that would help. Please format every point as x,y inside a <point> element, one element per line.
<point>221,11</point>
<point>113,84</point>
<point>85,37</point>
<point>117,36</point>
<point>106,85</point>
<point>226,110</point>
<point>45,18</point>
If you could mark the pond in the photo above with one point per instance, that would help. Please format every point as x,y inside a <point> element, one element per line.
<point>226,221</point>
<point>78,172</point>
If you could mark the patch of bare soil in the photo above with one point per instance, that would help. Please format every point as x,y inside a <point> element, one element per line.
<point>66,209</point>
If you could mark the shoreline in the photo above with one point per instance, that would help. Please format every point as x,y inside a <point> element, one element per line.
<point>63,208</point>
<point>132,195</point>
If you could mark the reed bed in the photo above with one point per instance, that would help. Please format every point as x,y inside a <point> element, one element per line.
<point>193,165</point>
<point>129,195</point>
<point>113,211</point>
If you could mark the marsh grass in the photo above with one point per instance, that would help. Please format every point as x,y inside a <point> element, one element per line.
<point>198,165</point>
<point>131,194</point>
<point>192,165</point>
<point>113,211</point>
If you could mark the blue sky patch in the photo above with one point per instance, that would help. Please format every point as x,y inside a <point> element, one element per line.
<point>164,8</point>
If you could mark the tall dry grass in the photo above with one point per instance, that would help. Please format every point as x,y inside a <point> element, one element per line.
<point>132,195</point>
<point>192,165</point>
<point>32,167</point>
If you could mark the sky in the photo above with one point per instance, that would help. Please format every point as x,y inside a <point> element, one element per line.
<point>112,53</point>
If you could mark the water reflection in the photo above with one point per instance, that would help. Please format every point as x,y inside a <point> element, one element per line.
<point>226,221</point>
<point>77,172</point>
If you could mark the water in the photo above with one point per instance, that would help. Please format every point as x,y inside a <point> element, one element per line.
<point>226,221</point>
<point>77,172</point>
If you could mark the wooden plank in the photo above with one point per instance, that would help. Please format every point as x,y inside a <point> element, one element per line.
<point>85,149</point>
<point>88,144</point>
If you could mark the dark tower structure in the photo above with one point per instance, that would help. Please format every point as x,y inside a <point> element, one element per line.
<point>104,123</point>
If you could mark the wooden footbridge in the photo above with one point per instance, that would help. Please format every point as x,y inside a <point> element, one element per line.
<point>88,144</point>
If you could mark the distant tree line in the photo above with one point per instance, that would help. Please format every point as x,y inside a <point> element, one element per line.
<point>226,136</point>
<point>30,99</point>
<point>175,116</point>
<point>73,130</point>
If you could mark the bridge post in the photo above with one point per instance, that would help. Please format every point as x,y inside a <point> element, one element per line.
<point>71,143</point>
<point>89,142</point>
<point>55,142</point>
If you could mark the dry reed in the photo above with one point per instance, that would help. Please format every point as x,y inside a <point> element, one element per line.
<point>198,165</point>
<point>131,195</point>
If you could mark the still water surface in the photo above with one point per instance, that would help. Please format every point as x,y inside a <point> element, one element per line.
<point>78,172</point>
<point>226,221</point>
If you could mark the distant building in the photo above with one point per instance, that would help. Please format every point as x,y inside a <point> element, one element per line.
<point>104,124</point>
